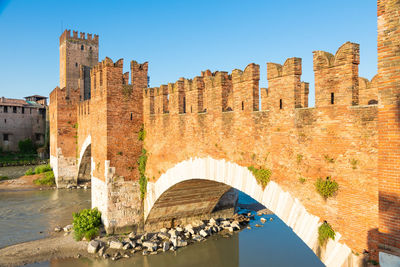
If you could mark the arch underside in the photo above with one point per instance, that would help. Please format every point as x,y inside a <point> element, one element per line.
<point>193,186</point>
<point>195,198</point>
<point>84,171</point>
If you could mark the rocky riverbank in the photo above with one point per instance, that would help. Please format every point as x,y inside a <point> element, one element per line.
<point>62,245</point>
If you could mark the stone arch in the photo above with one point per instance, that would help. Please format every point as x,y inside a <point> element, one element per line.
<point>287,208</point>
<point>85,161</point>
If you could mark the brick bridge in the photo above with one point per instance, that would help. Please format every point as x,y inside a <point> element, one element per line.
<point>162,156</point>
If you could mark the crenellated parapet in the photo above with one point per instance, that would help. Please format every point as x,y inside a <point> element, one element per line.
<point>89,38</point>
<point>285,89</point>
<point>336,77</point>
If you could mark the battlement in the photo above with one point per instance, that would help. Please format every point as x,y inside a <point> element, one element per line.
<point>348,53</point>
<point>292,66</point>
<point>89,38</point>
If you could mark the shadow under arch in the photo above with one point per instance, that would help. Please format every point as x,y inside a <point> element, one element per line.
<point>85,162</point>
<point>219,175</point>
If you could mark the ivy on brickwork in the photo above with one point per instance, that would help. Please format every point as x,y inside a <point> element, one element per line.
<point>262,175</point>
<point>325,232</point>
<point>326,187</point>
<point>142,133</point>
<point>142,170</point>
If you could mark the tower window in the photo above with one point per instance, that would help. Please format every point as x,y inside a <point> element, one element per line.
<point>82,47</point>
<point>280,104</point>
<point>332,98</point>
<point>242,105</point>
<point>5,137</point>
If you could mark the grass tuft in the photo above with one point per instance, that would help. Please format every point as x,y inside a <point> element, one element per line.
<point>325,232</point>
<point>262,175</point>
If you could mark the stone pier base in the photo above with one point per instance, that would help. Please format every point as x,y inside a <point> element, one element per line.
<point>64,170</point>
<point>119,203</point>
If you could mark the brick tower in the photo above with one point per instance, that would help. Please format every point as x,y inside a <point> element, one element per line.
<point>78,54</point>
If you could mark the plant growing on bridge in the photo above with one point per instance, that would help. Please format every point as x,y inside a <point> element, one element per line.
<point>262,175</point>
<point>325,232</point>
<point>354,163</point>
<point>141,134</point>
<point>86,224</point>
<point>326,187</point>
<point>142,161</point>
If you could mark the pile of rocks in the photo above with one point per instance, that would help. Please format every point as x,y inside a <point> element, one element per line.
<point>166,239</point>
<point>80,186</point>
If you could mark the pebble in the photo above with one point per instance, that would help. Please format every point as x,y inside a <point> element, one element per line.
<point>57,229</point>
<point>263,220</point>
<point>68,228</point>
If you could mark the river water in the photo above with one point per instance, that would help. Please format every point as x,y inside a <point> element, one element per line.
<point>29,215</point>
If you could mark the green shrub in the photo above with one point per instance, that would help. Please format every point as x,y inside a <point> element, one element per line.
<point>48,179</point>
<point>29,172</point>
<point>325,232</point>
<point>142,161</point>
<point>42,169</point>
<point>326,187</point>
<point>86,223</point>
<point>26,146</point>
<point>3,178</point>
<point>262,175</point>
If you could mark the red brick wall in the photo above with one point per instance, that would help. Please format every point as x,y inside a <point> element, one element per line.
<point>62,110</point>
<point>115,117</point>
<point>293,143</point>
<point>389,124</point>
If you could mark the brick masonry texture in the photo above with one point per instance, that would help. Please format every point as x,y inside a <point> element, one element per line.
<point>389,125</point>
<point>338,140</point>
<point>352,134</point>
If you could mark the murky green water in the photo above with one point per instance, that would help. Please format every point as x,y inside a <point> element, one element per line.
<point>30,215</point>
<point>27,213</point>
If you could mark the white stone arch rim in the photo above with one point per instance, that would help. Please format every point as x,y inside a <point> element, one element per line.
<point>287,208</point>
<point>85,145</point>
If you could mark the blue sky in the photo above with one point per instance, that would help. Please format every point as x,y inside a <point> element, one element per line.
<point>180,38</point>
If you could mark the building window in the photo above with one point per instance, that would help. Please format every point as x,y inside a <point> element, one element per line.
<point>14,109</point>
<point>5,137</point>
<point>242,105</point>
<point>5,120</point>
<point>5,109</point>
<point>38,136</point>
<point>280,104</point>
<point>82,47</point>
<point>332,98</point>
<point>76,64</point>
<point>23,110</point>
